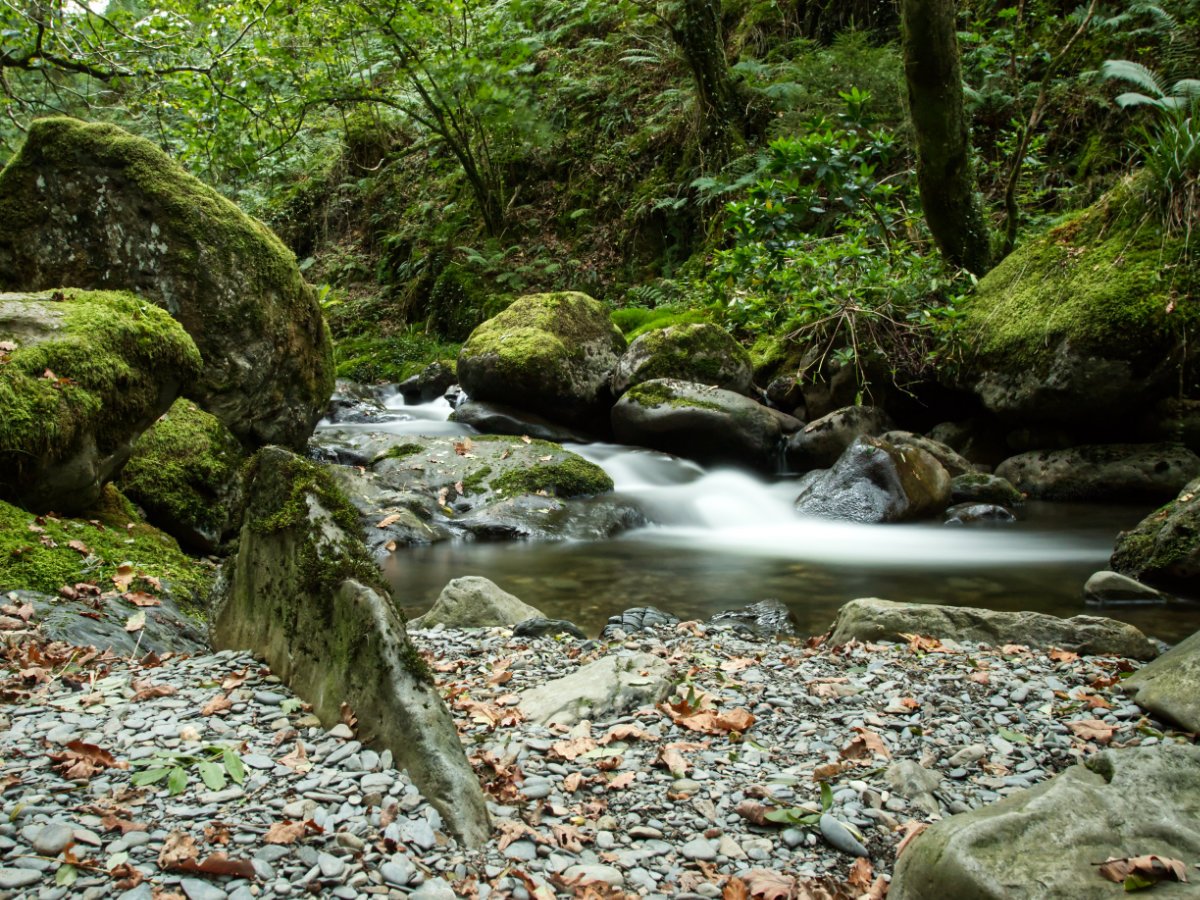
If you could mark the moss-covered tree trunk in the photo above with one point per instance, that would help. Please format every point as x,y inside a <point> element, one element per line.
<point>697,31</point>
<point>945,174</point>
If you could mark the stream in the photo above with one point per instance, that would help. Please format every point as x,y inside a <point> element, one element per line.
<point>725,538</point>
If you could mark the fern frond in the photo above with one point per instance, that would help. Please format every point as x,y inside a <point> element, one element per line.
<point>1133,72</point>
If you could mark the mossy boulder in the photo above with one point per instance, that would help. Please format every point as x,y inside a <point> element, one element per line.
<point>1089,321</point>
<point>1103,472</point>
<point>708,424</point>
<point>82,374</point>
<point>303,593</point>
<point>1170,686</point>
<point>550,354</point>
<point>47,553</point>
<point>92,206</point>
<point>701,353</point>
<point>1164,548</point>
<point>821,442</point>
<point>185,472</point>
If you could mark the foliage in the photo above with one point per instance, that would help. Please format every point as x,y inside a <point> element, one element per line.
<point>370,358</point>
<point>215,764</point>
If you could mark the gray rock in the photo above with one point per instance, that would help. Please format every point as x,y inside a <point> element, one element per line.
<point>475,602</point>
<point>1043,844</point>
<point>1107,588</point>
<point>198,889</point>
<point>539,626</point>
<point>698,848</point>
<point>551,354</point>
<point>430,383</point>
<point>823,441</point>
<point>873,481</point>
<point>707,424</point>
<point>1170,686</point>
<point>330,630</point>
<point>1133,472</point>
<point>979,487</point>
<point>398,871</point>
<point>54,838</point>
<point>955,464</point>
<point>595,872</point>
<point>15,879</point>
<point>978,514</point>
<point>764,619</point>
<point>872,619</point>
<point>610,684</point>
<point>1164,548</point>
<point>639,618</point>
<point>840,837</point>
<point>153,229</point>
<point>500,418</point>
<point>701,353</point>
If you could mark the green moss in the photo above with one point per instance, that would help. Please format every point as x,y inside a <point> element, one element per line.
<point>371,358</point>
<point>35,552</point>
<point>182,467</point>
<point>460,301</point>
<point>400,451</point>
<point>473,482</point>
<point>635,321</point>
<point>569,477</point>
<point>655,393</point>
<point>114,351</point>
<point>1107,280</point>
<point>415,664</point>
<point>696,352</point>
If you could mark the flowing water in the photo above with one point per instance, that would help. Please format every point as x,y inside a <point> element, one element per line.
<point>725,538</point>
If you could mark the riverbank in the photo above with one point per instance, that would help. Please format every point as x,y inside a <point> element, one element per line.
<point>648,802</point>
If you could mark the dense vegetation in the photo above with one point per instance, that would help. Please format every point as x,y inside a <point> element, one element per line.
<point>750,162</point>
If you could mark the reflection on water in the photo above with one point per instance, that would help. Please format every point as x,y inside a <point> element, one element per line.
<point>723,539</point>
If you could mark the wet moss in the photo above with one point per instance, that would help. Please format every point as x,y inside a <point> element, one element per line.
<point>659,393</point>
<point>697,352</point>
<point>475,481</point>
<point>400,451</point>
<point>572,476</point>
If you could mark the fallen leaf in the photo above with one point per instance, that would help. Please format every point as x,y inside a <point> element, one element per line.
<point>1062,655</point>
<point>670,758</point>
<point>123,577</point>
<point>111,822</point>
<point>297,760</point>
<point>79,547</point>
<point>769,885</point>
<point>622,781</point>
<point>221,865</point>
<point>1143,871</point>
<point>388,520</point>
<point>1093,730</point>
<point>141,598</point>
<point>572,782</point>
<point>527,439</point>
<point>626,733</point>
<point>463,447</point>
<point>861,876</point>
<point>754,813</point>
<point>82,761</point>
<point>573,748</point>
<point>136,622</point>
<point>866,745</point>
<point>569,838</point>
<point>217,704</point>
<point>828,771</point>
<point>179,848</point>
<point>735,889</point>
<point>126,877</point>
<point>145,690</point>
<point>911,829</point>
<point>285,832</point>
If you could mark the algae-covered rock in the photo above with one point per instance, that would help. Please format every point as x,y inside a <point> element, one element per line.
<point>1164,548</point>
<point>1044,843</point>
<point>551,354</point>
<point>92,206</point>
<point>872,619</point>
<point>875,481</point>
<point>303,593</point>
<point>1100,472</point>
<point>701,353</point>
<point>475,602</point>
<point>710,425</point>
<point>1170,686</point>
<point>185,472</point>
<point>82,374</point>
<point>1087,321</point>
<point>819,444</point>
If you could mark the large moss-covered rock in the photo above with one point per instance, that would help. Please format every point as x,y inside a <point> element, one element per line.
<point>185,472</point>
<point>551,354</point>
<point>1170,686</point>
<point>702,353</point>
<point>1164,548</point>
<point>707,424</point>
<point>91,206</point>
<point>872,619</point>
<point>875,481</point>
<point>82,374</point>
<point>1044,843</point>
<point>303,593</point>
<point>1087,321</point>
<point>1102,472</point>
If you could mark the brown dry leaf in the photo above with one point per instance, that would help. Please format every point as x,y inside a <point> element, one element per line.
<point>500,673</point>
<point>221,865</point>
<point>754,813</point>
<point>622,781</point>
<point>828,771</point>
<point>911,829</point>
<point>1014,650</point>
<point>285,832</point>
<point>573,748</point>
<point>712,722</point>
<point>216,705</point>
<point>1059,655</point>
<point>737,663</point>
<point>233,680</point>
<point>569,837</point>
<point>515,830</point>
<point>144,690</point>
<point>626,733</point>
<point>79,547</point>
<point>141,598</point>
<point>178,849</point>
<point>1093,730</point>
<point>861,876</point>
<point>136,622</point>
<point>463,447</point>
<point>920,644</point>
<point>388,520</point>
<point>865,745</point>
<point>527,439</point>
<point>878,890</point>
<point>735,889</point>
<point>82,761</point>
<point>572,782</point>
<point>1152,867</point>
<point>9,781</point>
<point>671,759</point>
<point>770,885</point>
<point>126,877</point>
<point>217,833</point>
<point>980,677</point>
<point>297,760</point>
<point>346,716</point>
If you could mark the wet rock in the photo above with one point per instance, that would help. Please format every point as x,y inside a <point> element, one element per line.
<point>90,205</point>
<point>303,592</point>
<point>601,688</point>
<point>840,837</point>
<point>1111,588</point>
<point>822,442</point>
<point>874,481</point>
<point>1170,686</point>
<point>979,487</point>
<point>701,353</point>
<point>978,514</point>
<point>499,418</point>
<point>641,618</point>
<point>787,395</point>
<point>475,602</point>
<point>430,383</point>
<point>1164,548</point>
<point>356,404</point>
<point>1141,472</point>
<point>764,619</point>
<point>551,354</point>
<point>540,626</point>
<point>950,459</point>
<point>872,619</point>
<point>101,622</point>
<point>1044,843</point>
<point>707,424</point>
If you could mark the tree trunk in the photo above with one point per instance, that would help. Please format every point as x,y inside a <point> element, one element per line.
<point>945,173</point>
<point>697,31</point>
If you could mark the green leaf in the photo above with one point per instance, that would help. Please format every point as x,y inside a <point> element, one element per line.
<point>67,873</point>
<point>1137,882</point>
<point>177,781</point>
<point>213,775</point>
<point>150,776</point>
<point>233,765</point>
<point>290,705</point>
<point>826,797</point>
<point>1015,736</point>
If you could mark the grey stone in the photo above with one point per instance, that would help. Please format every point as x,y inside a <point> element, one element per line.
<point>824,440</point>
<point>1113,588</point>
<point>198,889</point>
<point>1164,548</point>
<point>397,871</point>
<point>698,848</point>
<point>840,837</point>
<point>1170,685</point>
<point>608,685</point>
<point>595,872</point>
<point>978,487</point>
<point>1043,844</point>
<point>476,602</point>
<point>1109,472</point>
<point>872,619</point>
<point>54,838</point>
<point>14,879</point>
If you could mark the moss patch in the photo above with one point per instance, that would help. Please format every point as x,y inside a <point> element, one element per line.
<point>35,551</point>
<point>570,477</point>
<point>109,354</point>
<point>400,451</point>
<point>635,321</point>
<point>371,358</point>
<point>658,393</point>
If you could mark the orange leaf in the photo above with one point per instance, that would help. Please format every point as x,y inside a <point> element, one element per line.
<point>866,745</point>
<point>622,781</point>
<point>1093,730</point>
<point>911,829</point>
<point>178,849</point>
<point>1062,655</point>
<point>217,704</point>
<point>285,832</point>
<point>770,885</point>
<point>1155,868</point>
<point>141,598</point>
